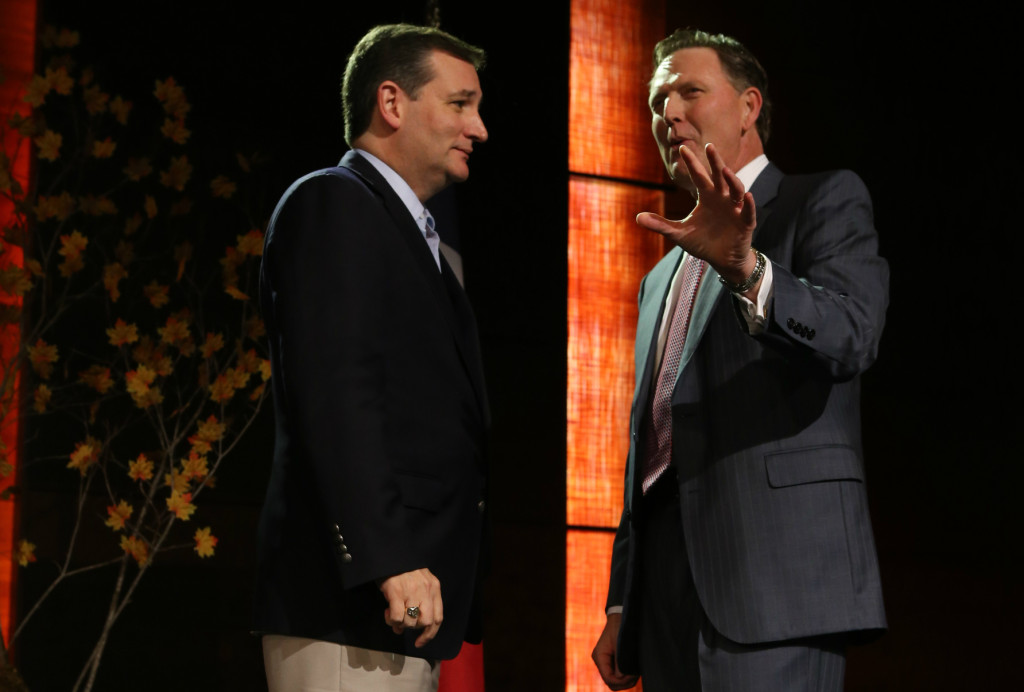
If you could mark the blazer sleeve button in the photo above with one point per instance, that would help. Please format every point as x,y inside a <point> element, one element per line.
<point>481,506</point>
<point>346,558</point>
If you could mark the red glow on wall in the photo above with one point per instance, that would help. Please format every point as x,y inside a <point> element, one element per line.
<point>17,63</point>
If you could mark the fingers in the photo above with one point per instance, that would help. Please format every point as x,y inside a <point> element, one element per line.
<point>605,659</point>
<point>434,624</point>
<point>414,602</point>
<point>695,169</point>
<point>658,224</point>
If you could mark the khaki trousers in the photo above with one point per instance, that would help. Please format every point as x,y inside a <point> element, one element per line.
<point>295,664</point>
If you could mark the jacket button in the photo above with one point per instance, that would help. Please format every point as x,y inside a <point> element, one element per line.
<point>346,558</point>
<point>810,334</point>
<point>790,322</point>
<point>481,506</point>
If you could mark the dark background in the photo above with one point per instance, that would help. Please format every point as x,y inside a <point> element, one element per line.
<point>921,105</point>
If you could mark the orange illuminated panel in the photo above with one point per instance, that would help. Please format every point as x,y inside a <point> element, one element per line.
<point>17,63</point>
<point>609,65</point>
<point>608,255</point>
<point>589,553</point>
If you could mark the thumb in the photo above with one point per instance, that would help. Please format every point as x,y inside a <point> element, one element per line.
<point>656,223</point>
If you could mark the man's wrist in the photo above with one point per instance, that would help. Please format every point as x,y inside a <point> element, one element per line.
<point>752,279</point>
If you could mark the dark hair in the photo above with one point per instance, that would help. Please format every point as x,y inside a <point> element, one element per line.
<point>399,53</point>
<point>739,64</point>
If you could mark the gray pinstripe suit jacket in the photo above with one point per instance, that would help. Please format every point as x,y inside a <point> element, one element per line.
<point>766,429</point>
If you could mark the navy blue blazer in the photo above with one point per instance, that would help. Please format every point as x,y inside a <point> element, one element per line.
<point>766,428</point>
<point>380,414</point>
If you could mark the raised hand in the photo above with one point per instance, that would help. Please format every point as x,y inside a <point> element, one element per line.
<point>719,228</point>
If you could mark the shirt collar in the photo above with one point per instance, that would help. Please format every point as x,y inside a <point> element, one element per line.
<point>401,188</point>
<point>748,174</point>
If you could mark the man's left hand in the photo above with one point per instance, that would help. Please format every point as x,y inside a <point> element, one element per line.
<point>719,228</point>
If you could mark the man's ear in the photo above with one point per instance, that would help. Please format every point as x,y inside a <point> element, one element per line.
<point>752,100</point>
<point>391,103</point>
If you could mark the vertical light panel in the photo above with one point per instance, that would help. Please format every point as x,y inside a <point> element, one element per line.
<point>608,255</point>
<point>17,63</point>
<point>609,66</point>
<point>615,172</point>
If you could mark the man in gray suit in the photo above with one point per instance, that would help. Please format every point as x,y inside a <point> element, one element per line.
<point>744,559</point>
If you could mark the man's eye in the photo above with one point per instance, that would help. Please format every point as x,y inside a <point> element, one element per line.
<point>459,105</point>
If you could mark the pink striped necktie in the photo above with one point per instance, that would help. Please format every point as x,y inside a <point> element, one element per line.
<point>658,431</point>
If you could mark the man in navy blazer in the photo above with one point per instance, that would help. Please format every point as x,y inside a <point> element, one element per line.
<point>371,532</point>
<point>745,558</point>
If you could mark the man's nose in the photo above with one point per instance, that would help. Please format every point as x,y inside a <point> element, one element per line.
<point>476,130</point>
<point>673,109</point>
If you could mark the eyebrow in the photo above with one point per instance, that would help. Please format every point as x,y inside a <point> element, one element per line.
<point>465,93</point>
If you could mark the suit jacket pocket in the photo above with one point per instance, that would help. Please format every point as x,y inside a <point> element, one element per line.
<point>420,491</point>
<point>813,465</point>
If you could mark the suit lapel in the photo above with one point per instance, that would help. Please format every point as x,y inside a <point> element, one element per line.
<point>450,297</point>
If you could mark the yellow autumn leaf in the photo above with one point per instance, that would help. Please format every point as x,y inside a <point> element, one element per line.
<point>97,206</point>
<point>26,552</point>
<point>174,129</point>
<point>195,467</point>
<point>254,327</point>
<point>235,293</point>
<point>177,173</point>
<point>221,186</point>
<point>49,144</point>
<point>156,293</point>
<point>213,343</point>
<point>123,333</point>
<point>98,377</point>
<point>124,252</point>
<point>58,206</point>
<point>15,281</point>
<point>137,169</point>
<point>132,223</point>
<point>118,515</point>
<point>60,81</point>
<point>181,505</point>
<point>112,275</point>
<point>136,547</point>
<point>205,542</point>
<point>264,369</point>
<point>222,389</point>
<point>174,331</point>
<point>211,429</point>
<point>35,93</point>
<point>121,109</point>
<point>95,99</point>
<point>42,356</point>
<point>85,455</point>
<point>138,383</point>
<point>172,96</point>
<point>152,355</point>
<point>41,398</point>
<point>71,248</point>
<point>251,243</point>
<point>141,469</point>
<point>103,149</point>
